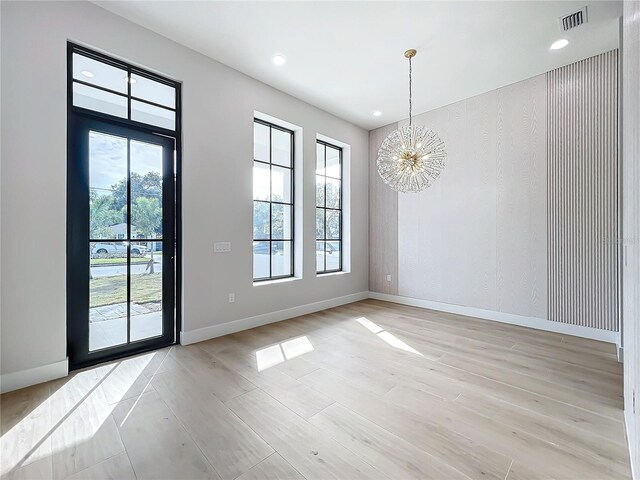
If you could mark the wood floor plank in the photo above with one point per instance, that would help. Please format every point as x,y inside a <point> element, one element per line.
<point>223,382</point>
<point>533,451</point>
<point>129,377</point>
<point>227,442</point>
<point>524,392</point>
<point>466,322</point>
<point>606,404</point>
<point>289,391</point>
<point>41,469</point>
<point>590,344</point>
<point>390,454</point>
<point>603,449</point>
<point>114,468</point>
<point>25,424</point>
<point>577,376</point>
<point>457,451</point>
<point>354,371</point>
<point>306,448</point>
<point>584,359</point>
<point>84,432</point>
<point>274,468</point>
<point>157,445</point>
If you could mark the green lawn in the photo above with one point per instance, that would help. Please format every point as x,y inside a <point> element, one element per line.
<point>110,290</point>
<point>120,261</point>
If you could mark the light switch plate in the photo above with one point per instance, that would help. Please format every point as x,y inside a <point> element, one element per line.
<point>222,247</point>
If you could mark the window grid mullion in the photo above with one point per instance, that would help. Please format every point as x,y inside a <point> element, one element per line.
<point>129,71</point>
<point>325,209</point>
<point>270,201</point>
<point>285,240</point>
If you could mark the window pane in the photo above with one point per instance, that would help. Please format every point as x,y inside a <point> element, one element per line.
<point>319,256</point>
<point>333,162</point>
<point>146,295</point>
<point>260,142</point>
<point>281,184</point>
<point>281,147</point>
<point>261,258</point>
<point>320,223</point>
<point>281,259</point>
<point>319,159</point>
<point>333,250</point>
<point>107,295</point>
<point>99,73</point>
<point>108,186</point>
<point>99,100</point>
<point>145,113</point>
<point>333,193</point>
<point>261,224</point>
<point>319,191</point>
<point>261,188</point>
<point>156,92</point>
<point>333,223</point>
<point>281,222</point>
<point>146,190</point>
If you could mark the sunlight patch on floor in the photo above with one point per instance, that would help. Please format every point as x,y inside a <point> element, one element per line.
<point>72,413</point>
<point>388,337</point>
<point>275,354</point>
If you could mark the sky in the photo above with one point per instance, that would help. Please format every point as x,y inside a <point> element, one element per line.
<point>108,159</point>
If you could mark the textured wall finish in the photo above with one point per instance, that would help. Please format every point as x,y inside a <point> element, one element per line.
<point>383,222</point>
<point>447,233</point>
<point>477,237</point>
<point>582,185</point>
<point>521,173</point>
<point>631,225</point>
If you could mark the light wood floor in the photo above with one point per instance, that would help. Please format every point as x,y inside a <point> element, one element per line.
<point>367,390</point>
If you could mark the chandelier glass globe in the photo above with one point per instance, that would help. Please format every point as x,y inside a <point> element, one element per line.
<point>411,158</point>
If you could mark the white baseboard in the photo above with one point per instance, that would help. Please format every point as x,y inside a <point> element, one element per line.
<point>31,376</point>
<point>206,333</point>
<point>530,322</point>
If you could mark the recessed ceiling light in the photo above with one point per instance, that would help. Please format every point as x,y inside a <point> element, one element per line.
<point>87,73</point>
<point>377,113</point>
<point>279,59</point>
<point>130,80</point>
<point>558,44</point>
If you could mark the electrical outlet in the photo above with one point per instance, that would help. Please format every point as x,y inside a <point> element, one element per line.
<point>232,297</point>
<point>222,247</point>
<point>388,278</point>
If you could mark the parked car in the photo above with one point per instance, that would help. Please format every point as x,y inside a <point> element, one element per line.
<point>262,248</point>
<point>329,248</point>
<point>117,249</point>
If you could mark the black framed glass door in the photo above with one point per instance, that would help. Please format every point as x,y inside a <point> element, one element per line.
<point>120,240</point>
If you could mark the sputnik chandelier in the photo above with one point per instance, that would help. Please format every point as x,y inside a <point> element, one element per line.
<point>411,158</point>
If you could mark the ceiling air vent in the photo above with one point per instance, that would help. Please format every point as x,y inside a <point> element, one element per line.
<point>573,20</point>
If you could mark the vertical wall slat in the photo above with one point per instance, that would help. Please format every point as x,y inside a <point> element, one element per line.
<point>582,189</point>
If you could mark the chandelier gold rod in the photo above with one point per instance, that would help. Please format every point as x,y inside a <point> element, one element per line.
<point>410,54</point>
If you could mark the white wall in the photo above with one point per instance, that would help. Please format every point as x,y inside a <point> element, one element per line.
<point>631,225</point>
<point>218,106</point>
<point>477,237</point>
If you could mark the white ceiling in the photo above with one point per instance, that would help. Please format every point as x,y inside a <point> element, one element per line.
<point>347,57</point>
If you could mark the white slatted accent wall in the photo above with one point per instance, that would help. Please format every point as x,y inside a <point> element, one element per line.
<point>582,190</point>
